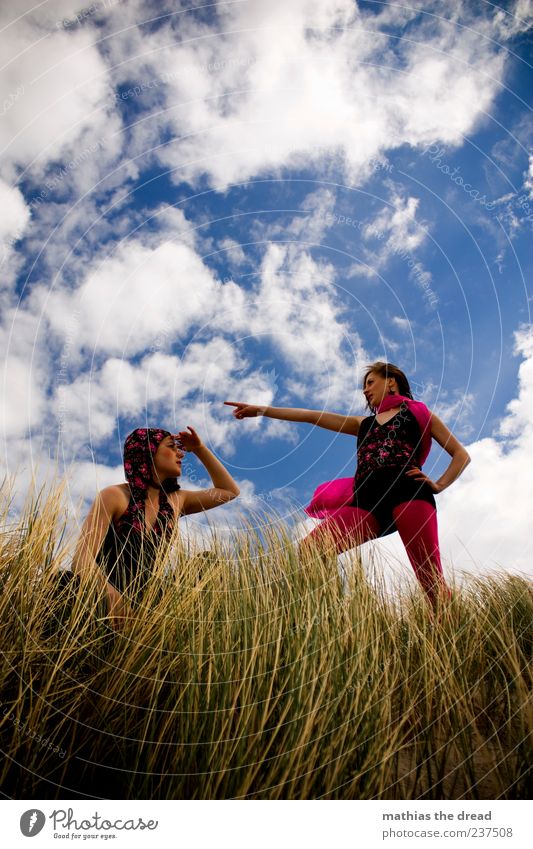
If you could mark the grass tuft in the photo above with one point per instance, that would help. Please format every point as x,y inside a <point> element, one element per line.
<point>253,673</point>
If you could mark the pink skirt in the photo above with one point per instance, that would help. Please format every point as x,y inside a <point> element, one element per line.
<point>330,496</point>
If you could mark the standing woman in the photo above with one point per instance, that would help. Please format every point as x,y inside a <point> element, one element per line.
<point>390,491</point>
<point>128,522</point>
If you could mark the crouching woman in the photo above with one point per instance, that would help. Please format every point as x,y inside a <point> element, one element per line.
<point>128,522</point>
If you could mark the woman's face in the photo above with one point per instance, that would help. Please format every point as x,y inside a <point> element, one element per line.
<point>167,459</point>
<point>377,388</point>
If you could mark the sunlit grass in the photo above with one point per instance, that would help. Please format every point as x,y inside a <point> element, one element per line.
<point>255,673</point>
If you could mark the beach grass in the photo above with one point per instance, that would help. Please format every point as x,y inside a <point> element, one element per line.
<point>253,672</point>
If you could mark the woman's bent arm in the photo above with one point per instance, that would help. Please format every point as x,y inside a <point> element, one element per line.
<point>224,487</point>
<point>459,454</point>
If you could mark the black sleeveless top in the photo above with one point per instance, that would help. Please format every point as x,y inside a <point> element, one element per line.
<point>384,453</point>
<point>127,555</point>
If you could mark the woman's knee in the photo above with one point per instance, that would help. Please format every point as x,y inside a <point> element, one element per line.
<point>346,529</point>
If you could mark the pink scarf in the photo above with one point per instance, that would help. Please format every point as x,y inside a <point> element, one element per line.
<point>331,495</point>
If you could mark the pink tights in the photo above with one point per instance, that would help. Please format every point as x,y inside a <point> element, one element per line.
<point>416,522</point>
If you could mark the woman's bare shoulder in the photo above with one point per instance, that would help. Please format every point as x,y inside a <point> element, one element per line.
<point>357,422</point>
<point>176,499</point>
<point>116,494</point>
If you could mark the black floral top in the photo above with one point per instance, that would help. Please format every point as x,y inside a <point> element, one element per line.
<point>127,556</point>
<point>394,443</point>
<point>384,453</point>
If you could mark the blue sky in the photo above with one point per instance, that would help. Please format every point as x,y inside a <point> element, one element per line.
<point>251,201</point>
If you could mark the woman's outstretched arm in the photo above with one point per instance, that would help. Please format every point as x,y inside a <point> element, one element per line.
<point>457,451</point>
<point>224,487</point>
<point>321,418</point>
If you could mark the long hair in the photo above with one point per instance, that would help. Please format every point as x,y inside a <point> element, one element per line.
<point>140,448</point>
<point>387,370</point>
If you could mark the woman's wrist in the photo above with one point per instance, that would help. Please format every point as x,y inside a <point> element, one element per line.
<point>199,448</point>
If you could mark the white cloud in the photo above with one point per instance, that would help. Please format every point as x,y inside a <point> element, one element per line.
<point>298,309</point>
<point>455,407</point>
<point>167,391</point>
<point>398,224</point>
<point>234,253</point>
<point>15,214</point>
<point>528,182</point>
<point>138,298</point>
<point>403,324</point>
<point>272,84</point>
<point>24,375</point>
<point>515,20</point>
<point>396,233</point>
<point>155,388</point>
<point>13,223</point>
<point>144,298</point>
<point>22,400</point>
<point>62,107</point>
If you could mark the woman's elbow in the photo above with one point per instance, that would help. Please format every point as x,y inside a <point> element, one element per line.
<point>465,457</point>
<point>228,495</point>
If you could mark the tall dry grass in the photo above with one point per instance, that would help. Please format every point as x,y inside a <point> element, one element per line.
<point>251,674</point>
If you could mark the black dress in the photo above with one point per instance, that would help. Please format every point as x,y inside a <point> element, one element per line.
<point>384,453</point>
<point>127,555</point>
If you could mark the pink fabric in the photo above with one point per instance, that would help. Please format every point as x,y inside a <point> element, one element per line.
<point>331,495</point>
<point>348,526</point>
<point>417,525</point>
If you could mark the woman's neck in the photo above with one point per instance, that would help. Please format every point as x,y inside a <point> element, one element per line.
<point>152,492</point>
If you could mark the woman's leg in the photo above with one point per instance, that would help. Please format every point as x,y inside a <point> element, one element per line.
<point>417,525</point>
<point>345,528</point>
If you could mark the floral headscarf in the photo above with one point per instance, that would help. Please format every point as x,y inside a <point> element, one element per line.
<point>139,452</point>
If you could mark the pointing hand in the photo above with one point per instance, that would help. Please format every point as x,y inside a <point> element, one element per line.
<point>244,411</point>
